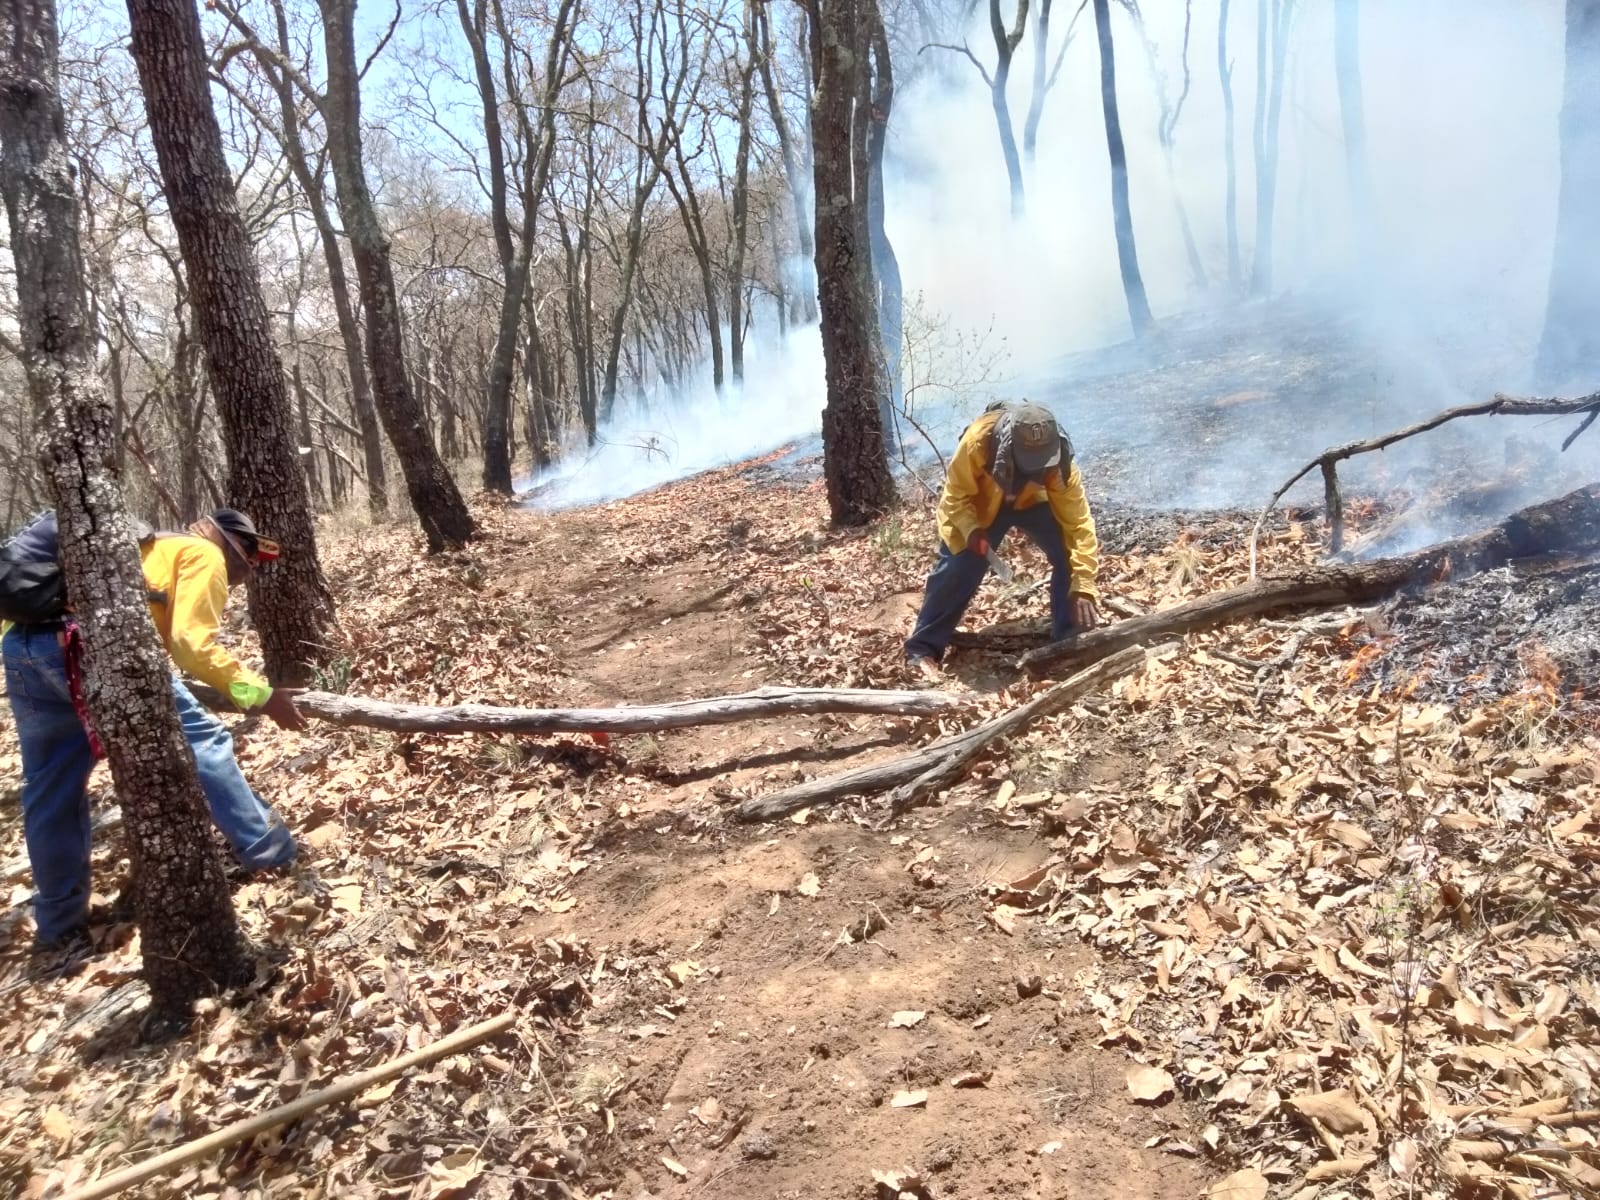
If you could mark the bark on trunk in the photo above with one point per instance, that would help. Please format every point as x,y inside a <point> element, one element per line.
<point>434,496</point>
<point>1041,47</point>
<point>794,173</point>
<point>1570,348</point>
<point>1122,211</point>
<point>885,264</point>
<point>741,201</point>
<point>855,464</point>
<point>1568,525</point>
<point>290,603</point>
<point>189,935</point>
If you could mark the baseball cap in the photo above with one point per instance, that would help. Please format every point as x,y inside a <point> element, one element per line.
<point>240,529</point>
<point>1035,440</point>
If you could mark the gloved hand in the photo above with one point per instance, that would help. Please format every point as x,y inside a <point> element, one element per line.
<point>978,542</point>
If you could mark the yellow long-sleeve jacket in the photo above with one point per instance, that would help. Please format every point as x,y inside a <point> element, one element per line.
<point>971,500</point>
<point>193,576</point>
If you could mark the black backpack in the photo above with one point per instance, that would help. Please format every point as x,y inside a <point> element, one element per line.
<point>33,590</point>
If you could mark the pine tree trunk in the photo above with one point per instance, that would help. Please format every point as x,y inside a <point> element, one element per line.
<point>855,464</point>
<point>1122,211</point>
<point>189,935</point>
<point>435,499</point>
<point>1569,351</point>
<point>290,603</point>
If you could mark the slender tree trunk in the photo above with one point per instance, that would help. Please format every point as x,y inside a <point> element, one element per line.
<point>1269,111</point>
<point>189,936</point>
<point>290,603</point>
<point>1347,66</point>
<point>1230,155</point>
<point>795,173</point>
<point>1041,82</point>
<point>1122,211</point>
<point>1569,351</point>
<point>313,186</point>
<point>855,464</point>
<point>741,200</point>
<point>434,495</point>
<point>1005,46</point>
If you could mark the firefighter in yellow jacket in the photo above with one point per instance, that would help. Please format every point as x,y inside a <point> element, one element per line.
<point>1012,470</point>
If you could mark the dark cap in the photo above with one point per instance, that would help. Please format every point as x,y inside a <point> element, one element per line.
<point>236,526</point>
<point>1035,439</point>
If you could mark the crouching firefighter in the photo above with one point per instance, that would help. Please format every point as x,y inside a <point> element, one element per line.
<point>1013,469</point>
<point>188,577</point>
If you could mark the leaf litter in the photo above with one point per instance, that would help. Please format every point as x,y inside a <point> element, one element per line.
<point>1344,910</point>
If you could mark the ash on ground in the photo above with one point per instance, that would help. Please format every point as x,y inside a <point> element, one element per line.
<point>1511,631</point>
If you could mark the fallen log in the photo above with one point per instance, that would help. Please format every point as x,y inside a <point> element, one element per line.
<point>1568,525</point>
<point>939,763</point>
<point>339,709</point>
<point>1328,460</point>
<point>344,1089</point>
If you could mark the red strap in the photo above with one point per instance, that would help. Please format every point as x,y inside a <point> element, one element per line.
<point>74,657</point>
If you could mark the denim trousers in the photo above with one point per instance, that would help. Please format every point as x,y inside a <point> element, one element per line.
<point>956,578</point>
<point>56,762</point>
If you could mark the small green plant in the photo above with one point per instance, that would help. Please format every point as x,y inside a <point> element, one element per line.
<point>890,539</point>
<point>335,677</point>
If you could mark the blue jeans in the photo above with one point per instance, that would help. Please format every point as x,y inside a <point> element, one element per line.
<point>957,577</point>
<point>56,762</point>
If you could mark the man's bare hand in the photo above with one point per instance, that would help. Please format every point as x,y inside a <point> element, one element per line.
<point>280,707</point>
<point>1085,614</point>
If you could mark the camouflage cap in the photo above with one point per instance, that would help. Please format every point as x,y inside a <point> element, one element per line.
<point>1035,439</point>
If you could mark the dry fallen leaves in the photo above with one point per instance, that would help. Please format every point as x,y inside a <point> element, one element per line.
<point>909,1099</point>
<point>1248,1184</point>
<point>1150,1085</point>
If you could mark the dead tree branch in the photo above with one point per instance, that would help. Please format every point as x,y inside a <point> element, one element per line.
<point>1568,525</point>
<point>717,710</point>
<point>940,763</point>
<point>1328,460</point>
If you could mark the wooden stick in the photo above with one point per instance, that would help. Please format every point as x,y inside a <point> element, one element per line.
<point>1501,405</point>
<point>337,709</point>
<point>938,763</point>
<point>352,1085</point>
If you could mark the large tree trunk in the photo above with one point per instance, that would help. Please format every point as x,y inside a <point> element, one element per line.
<point>855,464</point>
<point>433,492</point>
<point>189,935</point>
<point>289,600</point>
<point>885,264</point>
<point>1347,67</point>
<point>1122,211</point>
<point>1569,352</point>
<point>1229,154</point>
<point>312,185</point>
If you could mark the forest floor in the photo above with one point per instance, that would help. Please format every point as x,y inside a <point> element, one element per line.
<point>1321,928</point>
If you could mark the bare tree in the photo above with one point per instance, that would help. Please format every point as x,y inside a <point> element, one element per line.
<point>1169,112</point>
<point>434,495</point>
<point>1122,211</point>
<point>289,600</point>
<point>1274,18</point>
<point>1044,80</point>
<point>1006,42</point>
<point>189,935</point>
<point>1347,68</point>
<point>855,463</point>
<point>1229,154</point>
<point>794,170</point>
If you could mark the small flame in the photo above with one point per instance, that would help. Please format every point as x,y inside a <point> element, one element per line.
<point>1363,659</point>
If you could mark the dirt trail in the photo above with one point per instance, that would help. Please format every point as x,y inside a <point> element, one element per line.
<point>738,1032</point>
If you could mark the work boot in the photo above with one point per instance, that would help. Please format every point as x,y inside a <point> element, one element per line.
<point>926,668</point>
<point>64,955</point>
